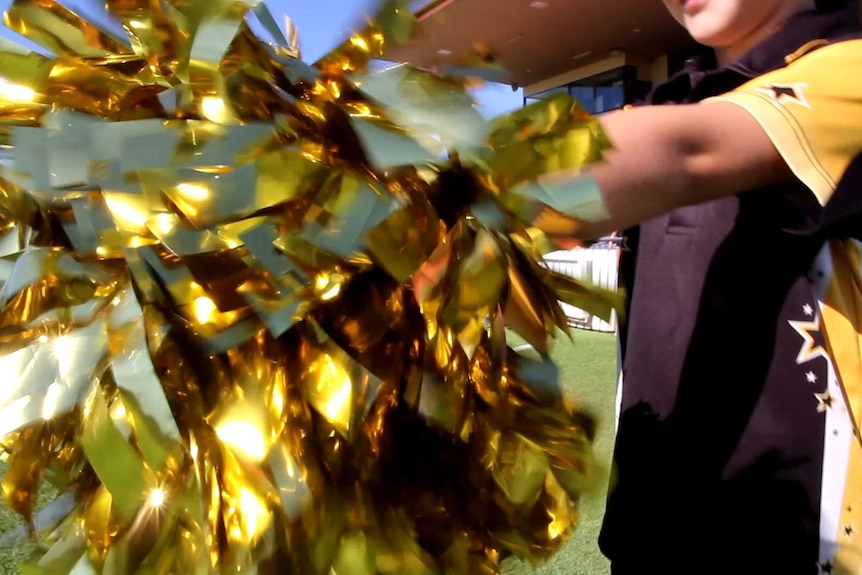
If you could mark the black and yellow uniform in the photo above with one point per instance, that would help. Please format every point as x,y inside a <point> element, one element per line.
<point>738,448</point>
<point>813,114</point>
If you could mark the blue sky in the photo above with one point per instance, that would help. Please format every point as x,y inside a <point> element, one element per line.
<point>322,24</point>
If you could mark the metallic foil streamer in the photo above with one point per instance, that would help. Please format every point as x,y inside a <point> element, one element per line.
<point>253,312</point>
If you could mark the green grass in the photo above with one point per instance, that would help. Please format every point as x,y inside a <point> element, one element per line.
<point>588,370</point>
<point>11,557</point>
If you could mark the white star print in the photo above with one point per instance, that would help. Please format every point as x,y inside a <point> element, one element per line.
<point>785,93</point>
<point>811,377</point>
<point>824,401</point>
<point>808,310</point>
<point>810,350</point>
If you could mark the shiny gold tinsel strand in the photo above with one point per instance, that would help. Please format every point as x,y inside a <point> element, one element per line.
<point>253,312</point>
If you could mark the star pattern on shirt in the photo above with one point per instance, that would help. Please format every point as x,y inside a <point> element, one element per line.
<point>808,310</point>
<point>811,377</point>
<point>787,93</point>
<point>826,567</point>
<point>824,401</point>
<point>849,530</point>
<point>810,349</point>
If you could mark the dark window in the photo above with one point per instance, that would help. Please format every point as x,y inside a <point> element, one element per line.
<point>676,61</point>
<point>603,92</point>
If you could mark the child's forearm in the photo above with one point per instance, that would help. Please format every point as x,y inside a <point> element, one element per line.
<point>667,157</point>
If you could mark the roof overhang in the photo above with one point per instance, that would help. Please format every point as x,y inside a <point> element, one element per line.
<point>538,39</point>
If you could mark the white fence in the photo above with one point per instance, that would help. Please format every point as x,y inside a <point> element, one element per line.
<point>597,266</point>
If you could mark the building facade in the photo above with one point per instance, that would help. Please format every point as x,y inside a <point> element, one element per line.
<point>605,54</point>
<point>613,82</point>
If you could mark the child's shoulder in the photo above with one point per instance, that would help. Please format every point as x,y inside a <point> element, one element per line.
<point>827,67</point>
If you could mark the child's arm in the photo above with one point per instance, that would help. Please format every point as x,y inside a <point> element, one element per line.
<point>667,157</point>
<point>803,121</point>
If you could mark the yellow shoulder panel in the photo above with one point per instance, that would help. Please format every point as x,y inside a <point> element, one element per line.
<point>812,111</point>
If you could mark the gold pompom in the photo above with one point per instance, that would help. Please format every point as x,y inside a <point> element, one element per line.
<point>254,312</point>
